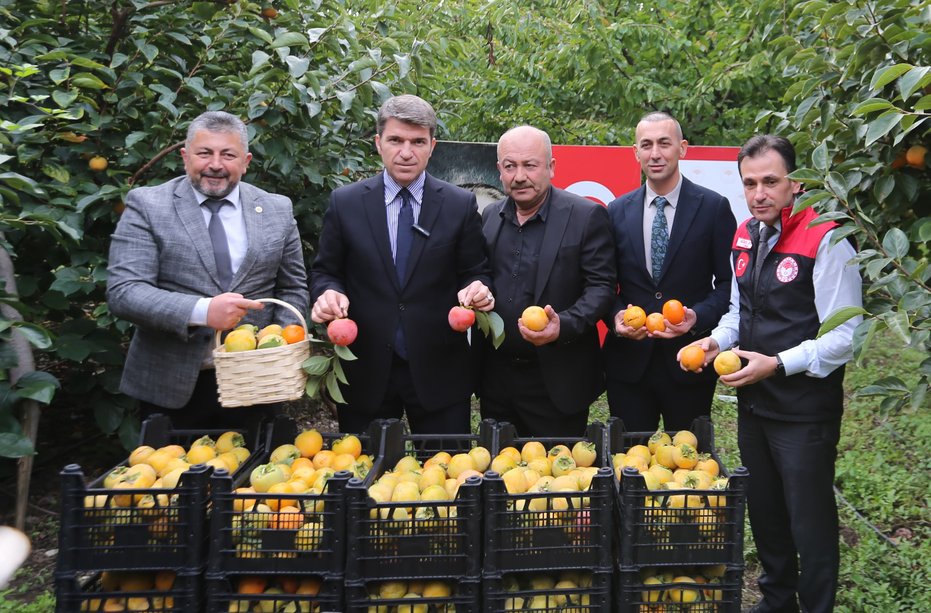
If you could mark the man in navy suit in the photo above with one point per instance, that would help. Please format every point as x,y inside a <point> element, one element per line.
<point>396,252</point>
<point>644,379</point>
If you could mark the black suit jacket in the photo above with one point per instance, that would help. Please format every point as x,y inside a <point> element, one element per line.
<point>575,274</point>
<point>354,257</point>
<point>696,272</point>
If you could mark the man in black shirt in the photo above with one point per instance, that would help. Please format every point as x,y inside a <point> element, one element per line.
<point>552,249</point>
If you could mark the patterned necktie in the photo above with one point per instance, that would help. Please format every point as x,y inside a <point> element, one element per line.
<point>404,241</point>
<point>221,248</point>
<point>763,250</point>
<point>659,238</point>
<point>405,236</point>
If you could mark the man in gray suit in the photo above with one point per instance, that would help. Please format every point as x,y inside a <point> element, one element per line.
<point>189,257</point>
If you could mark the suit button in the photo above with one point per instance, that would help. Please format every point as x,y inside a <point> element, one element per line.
<point>658,295</point>
<point>401,306</point>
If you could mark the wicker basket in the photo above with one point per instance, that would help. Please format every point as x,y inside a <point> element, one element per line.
<point>262,376</point>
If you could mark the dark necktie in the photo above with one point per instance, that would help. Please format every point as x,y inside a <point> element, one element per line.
<point>221,248</point>
<point>659,238</point>
<point>763,250</point>
<point>404,241</point>
<point>405,236</point>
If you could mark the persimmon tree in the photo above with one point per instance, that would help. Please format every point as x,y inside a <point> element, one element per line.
<point>858,111</point>
<point>95,97</point>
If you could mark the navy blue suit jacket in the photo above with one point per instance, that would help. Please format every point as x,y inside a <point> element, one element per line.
<point>696,271</point>
<point>354,258</point>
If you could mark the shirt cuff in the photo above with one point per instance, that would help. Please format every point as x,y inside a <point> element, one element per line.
<point>199,314</point>
<point>795,360</point>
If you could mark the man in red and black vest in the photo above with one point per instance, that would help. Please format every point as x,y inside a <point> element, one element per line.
<point>789,276</point>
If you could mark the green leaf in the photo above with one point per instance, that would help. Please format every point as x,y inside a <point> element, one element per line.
<point>895,242</point>
<point>297,66</point>
<point>497,328</point>
<point>64,98</point>
<point>312,388</point>
<point>820,157</point>
<point>881,126</point>
<point>86,80</point>
<point>924,103</point>
<point>37,385</point>
<point>344,353</point>
<point>897,321</point>
<point>289,39</point>
<point>838,317</point>
<point>889,74</point>
<point>23,184</point>
<point>109,416</point>
<point>807,176</point>
<point>484,325</point>
<point>912,80</point>
<point>14,445</point>
<point>259,59</point>
<point>332,388</point>
<point>340,375</point>
<point>868,106</point>
<point>38,337</point>
<point>84,62</point>
<point>316,365</point>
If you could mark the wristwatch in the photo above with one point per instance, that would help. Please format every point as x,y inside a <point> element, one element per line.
<point>780,368</point>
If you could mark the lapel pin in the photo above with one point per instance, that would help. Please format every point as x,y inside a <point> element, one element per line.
<point>258,209</point>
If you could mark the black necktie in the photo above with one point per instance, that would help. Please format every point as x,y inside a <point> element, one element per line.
<point>404,241</point>
<point>405,236</point>
<point>763,250</point>
<point>221,248</point>
<point>659,237</point>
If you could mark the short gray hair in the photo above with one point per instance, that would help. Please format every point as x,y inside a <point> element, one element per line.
<point>409,109</point>
<point>547,143</point>
<point>662,116</point>
<point>218,121</point>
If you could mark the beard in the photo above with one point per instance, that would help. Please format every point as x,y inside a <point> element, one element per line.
<point>202,184</point>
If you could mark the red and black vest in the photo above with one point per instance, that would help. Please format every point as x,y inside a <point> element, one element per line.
<point>778,313</point>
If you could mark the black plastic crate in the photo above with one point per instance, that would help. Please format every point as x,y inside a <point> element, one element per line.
<point>293,593</point>
<point>587,591</point>
<point>365,596</point>
<point>680,526</point>
<point>101,529</point>
<point>75,591</point>
<point>416,539</point>
<point>552,530</point>
<point>248,539</point>
<point>637,594</point>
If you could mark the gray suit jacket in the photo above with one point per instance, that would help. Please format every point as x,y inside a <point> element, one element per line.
<point>161,263</point>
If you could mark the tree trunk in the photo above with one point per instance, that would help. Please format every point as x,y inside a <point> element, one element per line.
<point>24,364</point>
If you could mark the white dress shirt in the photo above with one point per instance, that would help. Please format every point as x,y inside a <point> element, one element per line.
<point>649,213</point>
<point>235,228</point>
<point>837,284</point>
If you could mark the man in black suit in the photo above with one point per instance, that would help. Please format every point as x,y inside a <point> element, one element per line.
<point>695,230</point>
<point>547,247</point>
<point>396,252</point>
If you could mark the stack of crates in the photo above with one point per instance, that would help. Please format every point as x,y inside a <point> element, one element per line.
<point>553,550</point>
<point>125,548</point>
<point>416,551</point>
<point>680,549</point>
<point>262,558</point>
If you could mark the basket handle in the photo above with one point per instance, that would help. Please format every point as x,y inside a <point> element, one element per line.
<point>279,303</point>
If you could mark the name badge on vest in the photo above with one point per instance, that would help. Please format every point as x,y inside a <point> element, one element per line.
<point>744,243</point>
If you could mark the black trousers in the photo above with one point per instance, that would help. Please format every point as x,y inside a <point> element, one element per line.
<point>640,404</point>
<point>514,390</point>
<point>204,412</point>
<point>793,513</point>
<point>400,398</point>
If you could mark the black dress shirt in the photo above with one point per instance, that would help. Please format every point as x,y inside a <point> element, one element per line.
<point>516,255</point>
